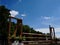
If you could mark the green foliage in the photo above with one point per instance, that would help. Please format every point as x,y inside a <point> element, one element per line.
<point>27,29</point>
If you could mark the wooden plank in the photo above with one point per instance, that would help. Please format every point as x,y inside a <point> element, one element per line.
<point>35,34</point>
<point>38,37</point>
<point>38,41</point>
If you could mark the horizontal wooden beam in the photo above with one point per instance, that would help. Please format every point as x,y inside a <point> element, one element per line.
<point>35,34</point>
<point>37,37</point>
<point>15,18</point>
<point>38,41</point>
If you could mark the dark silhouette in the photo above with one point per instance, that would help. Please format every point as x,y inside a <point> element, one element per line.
<point>4,14</point>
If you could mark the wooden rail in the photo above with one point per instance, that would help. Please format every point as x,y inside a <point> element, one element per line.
<point>35,34</point>
<point>37,38</point>
<point>42,41</point>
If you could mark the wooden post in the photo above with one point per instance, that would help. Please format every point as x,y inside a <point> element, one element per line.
<point>54,33</point>
<point>54,36</point>
<point>19,28</point>
<point>9,43</point>
<point>50,28</point>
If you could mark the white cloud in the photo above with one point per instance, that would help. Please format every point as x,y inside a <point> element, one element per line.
<point>46,17</point>
<point>49,20</point>
<point>14,13</point>
<point>23,15</point>
<point>46,30</point>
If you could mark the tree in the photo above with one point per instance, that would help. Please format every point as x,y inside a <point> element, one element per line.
<point>4,14</point>
<point>26,28</point>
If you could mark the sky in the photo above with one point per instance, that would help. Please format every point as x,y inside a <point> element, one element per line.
<point>38,14</point>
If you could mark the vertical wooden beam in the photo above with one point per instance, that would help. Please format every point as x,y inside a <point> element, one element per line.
<point>9,43</point>
<point>50,28</point>
<point>54,36</point>
<point>54,33</point>
<point>19,28</point>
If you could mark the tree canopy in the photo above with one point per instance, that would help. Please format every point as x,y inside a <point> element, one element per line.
<point>4,14</point>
